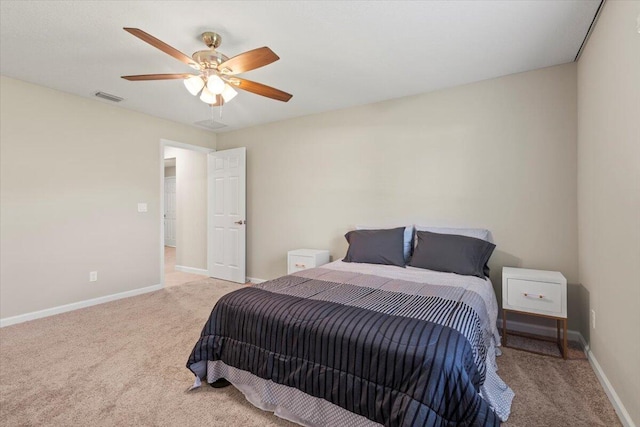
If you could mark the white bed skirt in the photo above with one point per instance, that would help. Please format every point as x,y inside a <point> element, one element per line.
<point>286,402</point>
<point>294,405</point>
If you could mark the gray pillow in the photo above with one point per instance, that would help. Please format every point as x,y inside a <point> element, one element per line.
<point>408,239</point>
<point>451,253</point>
<point>376,246</point>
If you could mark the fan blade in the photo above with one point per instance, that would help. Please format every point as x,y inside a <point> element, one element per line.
<point>142,77</point>
<point>260,89</point>
<point>248,61</point>
<point>162,46</point>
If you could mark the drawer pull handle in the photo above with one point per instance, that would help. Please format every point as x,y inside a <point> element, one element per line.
<point>300,265</point>
<point>533,296</point>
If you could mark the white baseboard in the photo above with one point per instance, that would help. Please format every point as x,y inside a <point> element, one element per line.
<point>547,331</point>
<point>255,280</point>
<point>7,321</point>
<point>583,343</point>
<point>192,270</point>
<point>624,416</point>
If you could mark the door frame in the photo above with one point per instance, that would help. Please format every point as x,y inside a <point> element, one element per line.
<point>169,143</point>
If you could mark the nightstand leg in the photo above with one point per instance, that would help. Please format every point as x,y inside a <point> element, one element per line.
<point>564,339</point>
<point>504,328</point>
<point>558,341</point>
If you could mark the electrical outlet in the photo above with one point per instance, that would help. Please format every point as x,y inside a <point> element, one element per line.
<point>93,276</point>
<point>593,318</point>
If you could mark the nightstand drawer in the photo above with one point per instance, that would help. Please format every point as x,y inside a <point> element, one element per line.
<point>530,295</point>
<point>301,259</point>
<point>301,262</point>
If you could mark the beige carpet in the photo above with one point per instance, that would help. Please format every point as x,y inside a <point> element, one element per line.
<point>123,363</point>
<point>524,342</point>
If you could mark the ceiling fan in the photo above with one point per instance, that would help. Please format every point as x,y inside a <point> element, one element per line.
<point>217,73</point>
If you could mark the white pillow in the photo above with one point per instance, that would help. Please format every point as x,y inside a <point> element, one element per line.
<point>408,237</point>
<point>478,233</point>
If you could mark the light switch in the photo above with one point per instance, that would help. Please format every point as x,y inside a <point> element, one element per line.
<point>142,207</point>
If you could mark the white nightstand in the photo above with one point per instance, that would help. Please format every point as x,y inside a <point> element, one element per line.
<point>538,293</point>
<point>301,259</point>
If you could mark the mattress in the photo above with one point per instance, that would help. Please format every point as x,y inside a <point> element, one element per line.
<point>462,309</point>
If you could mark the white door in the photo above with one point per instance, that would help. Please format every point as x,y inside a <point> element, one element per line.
<point>227,214</point>
<point>170,211</point>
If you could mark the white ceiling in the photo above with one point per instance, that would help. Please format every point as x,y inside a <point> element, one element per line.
<point>333,54</point>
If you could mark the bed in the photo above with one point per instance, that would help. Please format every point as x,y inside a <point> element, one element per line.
<point>359,344</point>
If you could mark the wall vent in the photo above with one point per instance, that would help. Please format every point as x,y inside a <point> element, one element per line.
<point>210,124</point>
<point>108,97</point>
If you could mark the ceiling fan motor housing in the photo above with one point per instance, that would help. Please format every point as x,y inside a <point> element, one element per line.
<point>209,58</point>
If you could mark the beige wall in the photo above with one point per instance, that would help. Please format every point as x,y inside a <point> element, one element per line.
<point>191,206</point>
<point>499,154</point>
<point>72,172</point>
<point>609,194</point>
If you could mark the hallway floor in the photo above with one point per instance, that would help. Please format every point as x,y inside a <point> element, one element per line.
<point>172,277</point>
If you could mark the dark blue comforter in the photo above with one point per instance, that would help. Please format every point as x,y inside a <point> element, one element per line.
<point>394,370</point>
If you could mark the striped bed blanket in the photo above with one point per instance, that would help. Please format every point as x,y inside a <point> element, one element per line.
<point>388,347</point>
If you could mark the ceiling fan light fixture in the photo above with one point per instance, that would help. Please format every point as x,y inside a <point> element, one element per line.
<point>215,84</point>
<point>228,93</point>
<point>194,84</point>
<point>207,96</point>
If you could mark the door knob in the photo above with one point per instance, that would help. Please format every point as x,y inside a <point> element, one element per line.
<point>240,222</point>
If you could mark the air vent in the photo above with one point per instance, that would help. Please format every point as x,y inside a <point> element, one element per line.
<point>210,124</point>
<point>108,97</point>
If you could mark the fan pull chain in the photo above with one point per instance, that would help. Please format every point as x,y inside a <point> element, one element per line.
<point>213,114</point>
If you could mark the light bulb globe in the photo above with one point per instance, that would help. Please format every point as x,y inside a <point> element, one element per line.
<point>215,84</point>
<point>208,97</point>
<point>228,93</point>
<point>194,84</point>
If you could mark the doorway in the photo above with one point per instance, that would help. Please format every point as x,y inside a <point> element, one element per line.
<point>210,214</point>
<point>183,227</point>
